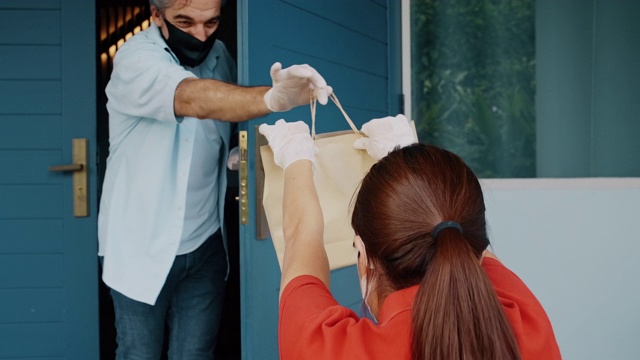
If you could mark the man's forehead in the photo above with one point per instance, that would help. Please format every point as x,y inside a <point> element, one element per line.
<point>196,5</point>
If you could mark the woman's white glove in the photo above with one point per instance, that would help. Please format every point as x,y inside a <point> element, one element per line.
<point>291,87</point>
<point>385,134</point>
<point>289,142</point>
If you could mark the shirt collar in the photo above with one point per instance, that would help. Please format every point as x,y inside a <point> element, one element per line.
<point>397,302</point>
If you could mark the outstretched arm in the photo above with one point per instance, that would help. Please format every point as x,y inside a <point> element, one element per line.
<point>303,227</point>
<point>213,99</point>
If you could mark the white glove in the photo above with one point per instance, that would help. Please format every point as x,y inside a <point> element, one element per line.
<point>291,87</point>
<point>289,142</point>
<point>385,134</point>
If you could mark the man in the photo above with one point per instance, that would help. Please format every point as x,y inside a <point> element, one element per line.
<point>160,225</point>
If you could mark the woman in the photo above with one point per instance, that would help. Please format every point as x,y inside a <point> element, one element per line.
<point>424,270</point>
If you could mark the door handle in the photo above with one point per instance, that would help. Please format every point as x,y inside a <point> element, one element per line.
<point>80,150</point>
<point>65,168</point>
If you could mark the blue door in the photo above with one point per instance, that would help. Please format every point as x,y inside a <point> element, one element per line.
<point>48,262</point>
<point>355,45</point>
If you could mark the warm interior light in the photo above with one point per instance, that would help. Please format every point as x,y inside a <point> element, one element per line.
<point>113,48</point>
<point>112,51</point>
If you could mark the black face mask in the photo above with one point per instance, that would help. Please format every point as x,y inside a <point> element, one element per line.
<point>189,50</point>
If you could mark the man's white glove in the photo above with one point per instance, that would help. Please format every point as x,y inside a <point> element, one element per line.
<point>291,87</point>
<point>385,134</point>
<point>289,142</point>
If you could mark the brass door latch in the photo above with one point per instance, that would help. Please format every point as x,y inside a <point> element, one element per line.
<point>80,176</point>
<point>244,192</point>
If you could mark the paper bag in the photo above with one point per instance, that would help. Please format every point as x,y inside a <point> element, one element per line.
<point>339,170</point>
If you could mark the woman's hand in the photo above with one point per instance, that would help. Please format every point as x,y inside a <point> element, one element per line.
<point>385,134</point>
<point>289,141</point>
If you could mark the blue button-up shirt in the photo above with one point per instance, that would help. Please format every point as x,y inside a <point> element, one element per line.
<point>164,187</point>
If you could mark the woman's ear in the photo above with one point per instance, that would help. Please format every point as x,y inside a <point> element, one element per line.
<point>363,260</point>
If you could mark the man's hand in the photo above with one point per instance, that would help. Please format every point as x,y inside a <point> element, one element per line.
<point>292,87</point>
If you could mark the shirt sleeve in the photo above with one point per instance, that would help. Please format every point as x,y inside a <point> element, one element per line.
<point>313,325</point>
<point>526,315</point>
<point>144,80</point>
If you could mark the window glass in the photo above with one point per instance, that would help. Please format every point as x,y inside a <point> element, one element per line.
<point>526,88</point>
<point>473,82</point>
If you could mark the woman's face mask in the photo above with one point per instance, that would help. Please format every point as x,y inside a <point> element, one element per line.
<point>190,51</point>
<point>362,263</point>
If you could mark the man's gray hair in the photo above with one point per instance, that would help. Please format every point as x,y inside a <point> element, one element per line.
<point>161,5</point>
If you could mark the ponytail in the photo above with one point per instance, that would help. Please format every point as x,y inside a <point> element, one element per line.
<point>456,312</point>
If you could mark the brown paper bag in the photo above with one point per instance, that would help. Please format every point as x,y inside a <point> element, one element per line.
<point>339,169</point>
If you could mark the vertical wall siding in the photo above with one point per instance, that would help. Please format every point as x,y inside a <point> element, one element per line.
<point>31,245</point>
<point>345,40</point>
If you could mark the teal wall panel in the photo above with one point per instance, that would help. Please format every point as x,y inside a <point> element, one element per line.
<point>43,27</point>
<point>37,341</point>
<point>30,131</point>
<point>616,90</point>
<point>31,202</point>
<point>30,62</point>
<point>588,86</point>
<point>27,270</point>
<point>360,16</point>
<point>48,262</point>
<point>31,4</point>
<point>30,97</point>
<point>38,236</point>
<point>32,305</point>
<point>564,50</point>
<point>337,44</point>
<point>29,166</point>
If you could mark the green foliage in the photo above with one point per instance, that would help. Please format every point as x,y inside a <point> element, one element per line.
<point>473,76</point>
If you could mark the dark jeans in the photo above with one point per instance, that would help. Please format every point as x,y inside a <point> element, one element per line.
<point>190,303</point>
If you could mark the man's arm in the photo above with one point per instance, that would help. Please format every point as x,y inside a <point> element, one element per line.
<point>214,99</point>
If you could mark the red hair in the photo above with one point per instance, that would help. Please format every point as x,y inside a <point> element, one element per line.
<point>456,312</point>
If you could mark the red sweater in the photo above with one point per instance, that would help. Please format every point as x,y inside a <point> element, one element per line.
<point>314,326</point>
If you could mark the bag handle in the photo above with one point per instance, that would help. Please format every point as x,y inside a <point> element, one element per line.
<point>333,98</point>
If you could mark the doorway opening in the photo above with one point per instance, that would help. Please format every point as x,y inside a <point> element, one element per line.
<point>116,21</point>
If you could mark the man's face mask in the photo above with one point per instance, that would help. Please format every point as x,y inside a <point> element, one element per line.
<point>190,51</point>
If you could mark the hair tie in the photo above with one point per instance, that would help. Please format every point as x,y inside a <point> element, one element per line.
<point>444,225</point>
